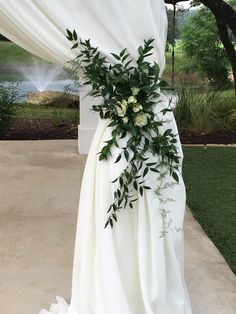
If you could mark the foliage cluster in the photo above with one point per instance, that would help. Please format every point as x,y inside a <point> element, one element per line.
<point>9,97</point>
<point>129,90</point>
<point>202,45</point>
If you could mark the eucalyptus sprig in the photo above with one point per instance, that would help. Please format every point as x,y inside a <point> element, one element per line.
<point>129,90</point>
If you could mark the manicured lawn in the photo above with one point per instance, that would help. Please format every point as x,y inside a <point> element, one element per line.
<point>10,52</point>
<point>11,58</point>
<point>58,115</point>
<point>210,178</point>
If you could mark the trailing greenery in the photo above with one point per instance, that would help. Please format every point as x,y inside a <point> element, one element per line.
<point>9,97</point>
<point>209,174</point>
<point>129,90</point>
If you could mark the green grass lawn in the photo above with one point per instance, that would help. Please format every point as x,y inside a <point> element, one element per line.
<point>10,52</point>
<point>58,115</point>
<point>11,56</point>
<point>210,178</point>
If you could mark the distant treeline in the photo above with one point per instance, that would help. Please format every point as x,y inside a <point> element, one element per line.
<point>181,18</point>
<point>3,38</point>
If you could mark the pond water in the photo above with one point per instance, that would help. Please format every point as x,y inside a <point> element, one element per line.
<point>27,86</point>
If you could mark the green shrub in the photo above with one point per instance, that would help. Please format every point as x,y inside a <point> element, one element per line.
<point>9,96</point>
<point>204,50</point>
<point>226,110</point>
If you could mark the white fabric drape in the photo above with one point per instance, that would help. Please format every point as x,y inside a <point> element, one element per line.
<point>40,25</point>
<point>130,269</point>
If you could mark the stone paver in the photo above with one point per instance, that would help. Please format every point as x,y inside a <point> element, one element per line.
<point>39,196</point>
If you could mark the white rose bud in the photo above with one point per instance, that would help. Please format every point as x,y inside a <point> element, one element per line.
<point>141,119</point>
<point>122,108</point>
<point>135,91</point>
<point>137,108</point>
<point>125,120</point>
<point>132,100</point>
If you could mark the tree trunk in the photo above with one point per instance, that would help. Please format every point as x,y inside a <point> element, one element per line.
<point>229,47</point>
<point>222,11</point>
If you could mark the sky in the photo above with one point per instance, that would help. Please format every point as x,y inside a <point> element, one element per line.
<point>186,5</point>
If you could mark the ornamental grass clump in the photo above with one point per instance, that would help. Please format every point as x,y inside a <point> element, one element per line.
<point>197,113</point>
<point>129,91</point>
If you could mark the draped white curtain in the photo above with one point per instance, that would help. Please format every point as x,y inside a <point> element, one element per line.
<point>40,25</point>
<point>128,270</point>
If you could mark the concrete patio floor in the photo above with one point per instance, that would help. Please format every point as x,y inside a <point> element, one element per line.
<point>39,196</point>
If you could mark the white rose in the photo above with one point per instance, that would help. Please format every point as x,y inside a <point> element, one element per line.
<point>125,120</point>
<point>137,108</point>
<point>132,100</point>
<point>141,119</point>
<point>122,108</point>
<point>135,91</point>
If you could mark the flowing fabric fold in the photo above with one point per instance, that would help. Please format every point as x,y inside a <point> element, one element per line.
<point>129,269</point>
<point>61,307</point>
<point>40,26</point>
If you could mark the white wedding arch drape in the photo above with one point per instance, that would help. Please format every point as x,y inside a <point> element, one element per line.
<point>39,26</point>
<point>128,270</point>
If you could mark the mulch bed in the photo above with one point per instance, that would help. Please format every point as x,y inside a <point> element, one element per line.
<point>38,129</point>
<point>45,129</point>
<point>213,138</point>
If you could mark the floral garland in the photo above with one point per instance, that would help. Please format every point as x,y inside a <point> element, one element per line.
<point>129,89</point>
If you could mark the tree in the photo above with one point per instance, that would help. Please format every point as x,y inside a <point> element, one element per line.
<point>201,43</point>
<point>225,15</point>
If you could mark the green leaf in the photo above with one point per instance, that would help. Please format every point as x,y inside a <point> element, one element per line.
<point>154,170</point>
<point>111,222</point>
<point>70,36</point>
<point>75,46</point>
<point>175,176</point>
<point>141,190</point>
<point>140,51</point>
<point>75,35</point>
<point>116,56</point>
<point>145,171</point>
<point>118,159</point>
<point>135,184</point>
<point>107,223</point>
<point>164,111</point>
<point>123,52</point>
<point>121,181</point>
<point>126,155</point>
<point>150,164</point>
<point>114,217</point>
